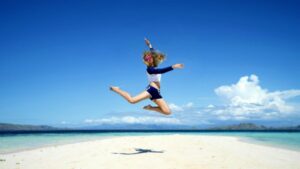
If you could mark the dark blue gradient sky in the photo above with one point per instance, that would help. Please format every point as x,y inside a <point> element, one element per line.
<point>57,58</point>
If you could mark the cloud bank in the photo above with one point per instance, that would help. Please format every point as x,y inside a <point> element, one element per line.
<point>247,99</point>
<point>134,120</point>
<point>244,100</point>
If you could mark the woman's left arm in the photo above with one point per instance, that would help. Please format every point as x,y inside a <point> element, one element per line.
<point>153,70</point>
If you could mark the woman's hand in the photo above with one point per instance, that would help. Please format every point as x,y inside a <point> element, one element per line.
<point>147,42</point>
<point>177,66</point>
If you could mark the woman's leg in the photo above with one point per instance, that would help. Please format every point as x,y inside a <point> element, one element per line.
<point>162,107</point>
<point>130,99</point>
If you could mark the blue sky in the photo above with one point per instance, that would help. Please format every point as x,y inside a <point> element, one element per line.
<point>57,59</point>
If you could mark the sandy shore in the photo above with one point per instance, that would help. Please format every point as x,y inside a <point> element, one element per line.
<point>155,152</point>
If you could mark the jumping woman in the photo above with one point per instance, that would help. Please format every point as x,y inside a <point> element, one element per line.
<point>152,59</point>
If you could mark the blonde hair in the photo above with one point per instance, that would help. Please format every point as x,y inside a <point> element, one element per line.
<point>156,56</point>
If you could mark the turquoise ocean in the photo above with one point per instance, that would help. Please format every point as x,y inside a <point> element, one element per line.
<point>24,141</point>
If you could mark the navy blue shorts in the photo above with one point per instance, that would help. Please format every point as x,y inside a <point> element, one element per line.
<point>155,93</point>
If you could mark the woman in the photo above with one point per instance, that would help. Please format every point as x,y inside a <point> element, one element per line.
<point>152,59</point>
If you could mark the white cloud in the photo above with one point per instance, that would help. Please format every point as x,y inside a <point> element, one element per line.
<point>247,99</point>
<point>189,105</point>
<point>64,122</point>
<point>134,120</point>
<point>177,108</point>
<point>189,114</point>
<point>210,106</point>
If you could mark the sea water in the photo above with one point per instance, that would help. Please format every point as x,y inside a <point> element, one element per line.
<point>287,140</point>
<point>23,141</point>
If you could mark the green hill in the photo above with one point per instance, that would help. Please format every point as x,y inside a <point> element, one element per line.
<point>18,127</point>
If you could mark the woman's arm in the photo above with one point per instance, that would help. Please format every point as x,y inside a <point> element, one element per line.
<point>149,45</point>
<point>178,66</point>
<point>153,70</point>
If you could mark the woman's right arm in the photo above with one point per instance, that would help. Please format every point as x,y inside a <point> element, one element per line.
<point>149,45</point>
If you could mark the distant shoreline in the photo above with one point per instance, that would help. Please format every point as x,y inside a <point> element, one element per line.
<point>134,131</point>
<point>6,128</point>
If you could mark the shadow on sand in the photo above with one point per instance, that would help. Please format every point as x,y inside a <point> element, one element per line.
<point>140,151</point>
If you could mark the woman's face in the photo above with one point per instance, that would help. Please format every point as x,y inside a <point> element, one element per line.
<point>148,59</point>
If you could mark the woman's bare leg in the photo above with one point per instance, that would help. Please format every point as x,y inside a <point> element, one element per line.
<point>128,97</point>
<point>162,107</point>
<point>152,108</point>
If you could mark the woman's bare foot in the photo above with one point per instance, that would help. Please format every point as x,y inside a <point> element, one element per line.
<point>148,107</point>
<point>114,88</point>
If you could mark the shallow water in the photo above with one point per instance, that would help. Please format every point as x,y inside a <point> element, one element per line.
<point>19,142</point>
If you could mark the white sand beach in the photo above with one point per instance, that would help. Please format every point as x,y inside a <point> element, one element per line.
<point>155,152</point>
